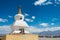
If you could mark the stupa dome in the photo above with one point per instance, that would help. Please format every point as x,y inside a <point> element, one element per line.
<point>19,17</point>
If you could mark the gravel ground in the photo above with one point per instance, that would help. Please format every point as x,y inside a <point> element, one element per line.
<point>49,38</point>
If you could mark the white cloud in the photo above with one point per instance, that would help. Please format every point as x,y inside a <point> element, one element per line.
<point>3,20</point>
<point>55,19</point>
<point>59,0</point>
<point>33,17</point>
<point>46,2</point>
<point>38,30</point>
<point>29,20</point>
<point>26,14</point>
<point>44,24</point>
<point>33,29</point>
<point>39,2</point>
<point>10,16</point>
<point>52,23</point>
<point>5,29</point>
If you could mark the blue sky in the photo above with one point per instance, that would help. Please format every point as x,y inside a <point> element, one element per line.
<point>39,14</point>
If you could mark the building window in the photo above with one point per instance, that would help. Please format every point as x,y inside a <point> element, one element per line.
<point>21,18</point>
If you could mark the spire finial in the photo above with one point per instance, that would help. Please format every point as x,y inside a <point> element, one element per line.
<point>19,10</point>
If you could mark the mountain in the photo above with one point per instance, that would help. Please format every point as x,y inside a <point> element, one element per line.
<point>49,33</point>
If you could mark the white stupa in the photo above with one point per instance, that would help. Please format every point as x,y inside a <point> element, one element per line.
<point>19,25</point>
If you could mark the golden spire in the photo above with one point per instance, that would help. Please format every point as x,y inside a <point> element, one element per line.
<point>19,10</point>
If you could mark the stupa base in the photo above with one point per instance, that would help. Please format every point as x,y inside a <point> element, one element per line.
<point>20,37</point>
